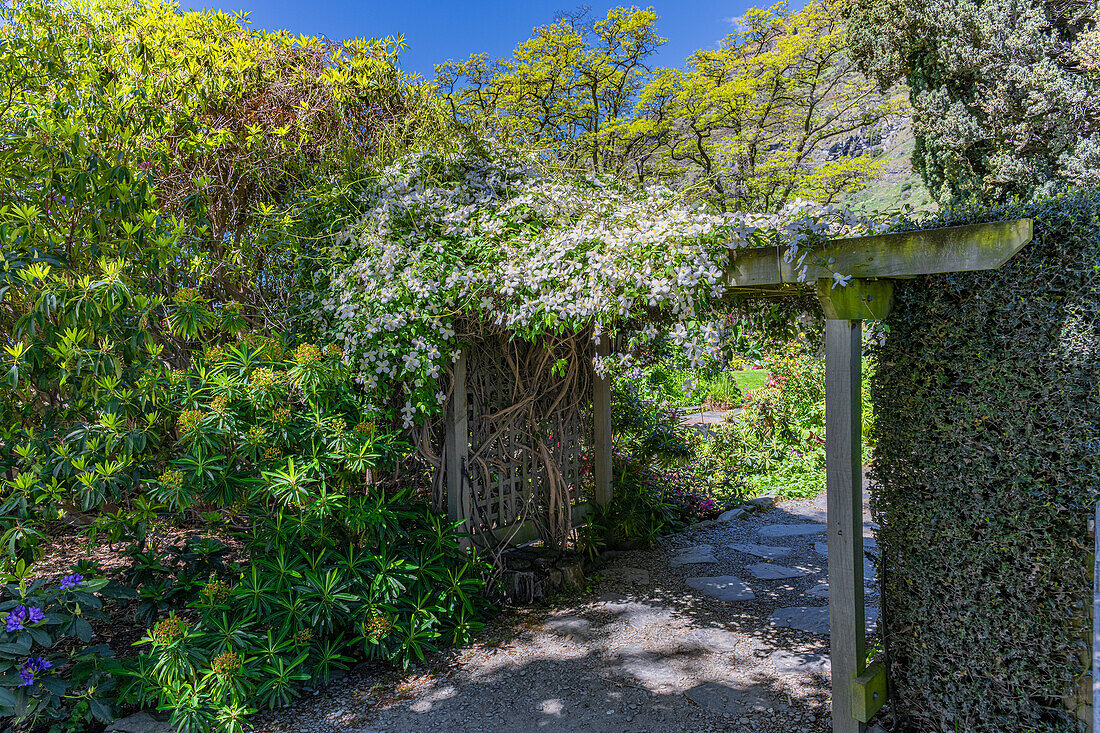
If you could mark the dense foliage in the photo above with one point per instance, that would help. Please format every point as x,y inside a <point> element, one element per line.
<point>337,579</point>
<point>987,467</point>
<point>164,178</point>
<point>1004,93</point>
<point>778,440</point>
<point>49,670</point>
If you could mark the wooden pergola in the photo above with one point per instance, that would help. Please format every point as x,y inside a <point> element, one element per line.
<point>873,263</point>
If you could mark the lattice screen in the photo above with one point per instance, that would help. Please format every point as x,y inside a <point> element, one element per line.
<point>518,417</point>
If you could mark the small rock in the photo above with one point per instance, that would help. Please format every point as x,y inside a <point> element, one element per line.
<point>762,502</point>
<point>821,548</point>
<point>731,515</point>
<point>821,590</point>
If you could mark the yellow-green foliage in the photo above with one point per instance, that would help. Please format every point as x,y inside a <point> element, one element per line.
<point>569,87</point>
<point>135,130</point>
<point>748,122</point>
<point>750,118</point>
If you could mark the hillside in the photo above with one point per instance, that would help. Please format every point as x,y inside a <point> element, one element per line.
<point>898,186</point>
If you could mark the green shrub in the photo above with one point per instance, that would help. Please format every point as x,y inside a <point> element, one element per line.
<point>987,396</point>
<point>325,584</point>
<point>638,513</point>
<point>777,442</point>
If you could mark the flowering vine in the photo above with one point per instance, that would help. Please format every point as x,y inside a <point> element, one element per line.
<point>449,247</point>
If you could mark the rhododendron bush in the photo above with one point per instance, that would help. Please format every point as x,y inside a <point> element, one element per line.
<point>447,248</point>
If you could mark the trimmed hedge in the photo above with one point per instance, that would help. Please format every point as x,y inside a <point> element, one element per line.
<point>987,430</point>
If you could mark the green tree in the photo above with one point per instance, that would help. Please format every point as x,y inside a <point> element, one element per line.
<point>751,120</point>
<point>569,89</point>
<point>1004,102</point>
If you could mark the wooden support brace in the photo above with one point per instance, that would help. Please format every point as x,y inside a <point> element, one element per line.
<point>859,299</point>
<point>869,692</point>
<point>601,428</point>
<point>456,447</point>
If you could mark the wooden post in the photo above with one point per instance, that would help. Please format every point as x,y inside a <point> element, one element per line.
<point>456,446</point>
<point>844,504</point>
<point>601,428</point>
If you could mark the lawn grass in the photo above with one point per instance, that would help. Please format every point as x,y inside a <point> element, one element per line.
<point>750,379</point>
<point>726,389</point>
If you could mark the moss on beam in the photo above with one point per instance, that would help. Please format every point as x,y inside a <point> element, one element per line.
<point>858,299</point>
<point>906,254</point>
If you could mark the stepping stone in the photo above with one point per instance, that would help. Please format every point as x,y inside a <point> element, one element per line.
<point>791,530</point>
<point>821,548</point>
<point>765,551</point>
<point>695,556</point>
<point>723,587</point>
<point>731,515</point>
<point>726,699</point>
<point>570,626</point>
<point>711,640</point>
<point>768,571</point>
<point>795,663</point>
<point>811,513</point>
<point>821,590</point>
<point>630,576</point>
<point>815,620</point>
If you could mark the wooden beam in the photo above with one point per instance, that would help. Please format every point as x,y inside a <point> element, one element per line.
<point>456,447</point>
<point>601,429</point>
<point>857,299</point>
<point>906,254</point>
<point>844,506</point>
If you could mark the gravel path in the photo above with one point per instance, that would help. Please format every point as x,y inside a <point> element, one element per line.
<point>647,648</point>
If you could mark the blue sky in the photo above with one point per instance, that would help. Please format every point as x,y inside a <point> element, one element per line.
<point>437,30</point>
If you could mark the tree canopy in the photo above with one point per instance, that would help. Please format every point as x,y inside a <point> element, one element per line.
<point>747,125</point>
<point>1005,94</point>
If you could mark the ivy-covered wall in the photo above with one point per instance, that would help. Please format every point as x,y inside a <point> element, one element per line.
<point>987,461</point>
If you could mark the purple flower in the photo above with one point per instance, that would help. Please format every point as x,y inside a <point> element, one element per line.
<point>30,667</point>
<point>71,581</point>
<point>14,620</point>
<point>21,615</point>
